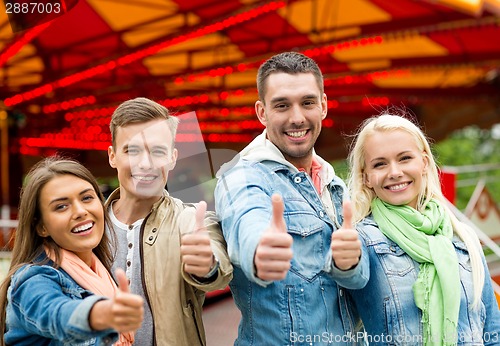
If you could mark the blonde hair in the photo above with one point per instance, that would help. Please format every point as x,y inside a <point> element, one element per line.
<point>362,195</point>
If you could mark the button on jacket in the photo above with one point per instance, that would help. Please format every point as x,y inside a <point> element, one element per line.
<point>387,306</point>
<point>47,307</point>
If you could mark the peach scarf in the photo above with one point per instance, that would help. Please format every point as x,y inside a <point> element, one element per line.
<point>94,278</point>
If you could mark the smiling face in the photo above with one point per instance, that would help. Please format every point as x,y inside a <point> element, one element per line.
<point>394,167</point>
<point>292,112</point>
<point>143,156</point>
<point>72,215</point>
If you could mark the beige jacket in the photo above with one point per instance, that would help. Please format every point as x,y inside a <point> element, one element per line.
<point>175,298</point>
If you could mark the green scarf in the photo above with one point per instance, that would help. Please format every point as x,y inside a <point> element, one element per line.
<point>426,237</point>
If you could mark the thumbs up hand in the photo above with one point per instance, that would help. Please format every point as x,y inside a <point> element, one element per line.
<point>345,245</point>
<point>127,309</point>
<point>274,251</point>
<point>196,251</point>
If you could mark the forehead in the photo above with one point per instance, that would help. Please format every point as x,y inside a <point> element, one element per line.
<point>155,132</point>
<point>280,84</point>
<point>382,143</point>
<point>63,186</point>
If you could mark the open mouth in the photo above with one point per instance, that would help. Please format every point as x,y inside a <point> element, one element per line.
<point>398,187</point>
<point>296,134</point>
<point>82,228</point>
<point>144,178</point>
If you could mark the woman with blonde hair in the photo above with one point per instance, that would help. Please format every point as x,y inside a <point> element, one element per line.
<point>59,290</point>
<point>429,283</point>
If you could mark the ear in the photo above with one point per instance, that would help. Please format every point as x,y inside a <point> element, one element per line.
<point>324,106</point>
<point>111,157</point>
<point>174,159</point>
<point>41,231</point>
<point>260,110</point>
<point>425,158</point>
<point>366,180</point>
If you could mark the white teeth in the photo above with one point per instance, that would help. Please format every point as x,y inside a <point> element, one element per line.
<point>144,178</point>
<point>398,187</point>
<point>297,134</point>
<point>82,228</point>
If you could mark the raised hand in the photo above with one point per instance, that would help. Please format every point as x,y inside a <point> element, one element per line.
<point>196,251</point>
<point>127,309</point>
<point>274,251</point>
<point>345,245</point>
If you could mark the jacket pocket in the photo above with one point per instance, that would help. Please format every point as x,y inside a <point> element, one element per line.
<point>462,255</point>
<point>394,260</point>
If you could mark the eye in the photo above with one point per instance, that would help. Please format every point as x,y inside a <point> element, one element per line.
<point>132,151</point>
<point>309,103</point>
<point>281,106</point>
<point>406,157</point>
<point>159,153</point>
<point>378,164</point>
<point>60,207</point>
<point>88,198</point>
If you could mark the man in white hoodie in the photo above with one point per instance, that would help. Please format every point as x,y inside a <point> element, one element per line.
<point>289,237</point>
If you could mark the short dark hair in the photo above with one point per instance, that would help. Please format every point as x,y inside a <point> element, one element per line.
<point>140,110</point>
<point>287,62</point>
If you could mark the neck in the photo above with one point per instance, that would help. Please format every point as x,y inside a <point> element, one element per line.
<point>129,210</point>
<point>304,162</point>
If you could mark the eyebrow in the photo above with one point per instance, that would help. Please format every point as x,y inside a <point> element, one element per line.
<point>66,198</point>
<point>160,146</point>
<point>399,154</point>
<point>283,98</point>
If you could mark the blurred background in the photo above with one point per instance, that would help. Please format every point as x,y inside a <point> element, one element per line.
<point>66,65</point>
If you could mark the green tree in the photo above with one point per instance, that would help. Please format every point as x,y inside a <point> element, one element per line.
<point>475,153</point>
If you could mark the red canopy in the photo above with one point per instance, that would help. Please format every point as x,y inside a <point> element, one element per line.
<point>61,79</point>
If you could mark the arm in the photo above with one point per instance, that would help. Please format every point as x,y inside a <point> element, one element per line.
<point>42,307</point>
<point>491,332</point>
<point>243,204</point>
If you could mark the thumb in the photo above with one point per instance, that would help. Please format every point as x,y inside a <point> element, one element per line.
<point>277,220</point>
<point>122,281</point>
<point>347,212</point>
<point>201,209</point>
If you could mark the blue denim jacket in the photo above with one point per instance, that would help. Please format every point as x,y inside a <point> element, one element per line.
<point>387,306</point>
<point>47,307</point>
<point>309,306</point>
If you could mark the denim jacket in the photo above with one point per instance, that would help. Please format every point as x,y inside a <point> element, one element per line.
<point>387,306</point>
<point>309,305</point>
<point>47,307</point>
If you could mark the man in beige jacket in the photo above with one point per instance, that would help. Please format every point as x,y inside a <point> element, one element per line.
<point>172,252</point>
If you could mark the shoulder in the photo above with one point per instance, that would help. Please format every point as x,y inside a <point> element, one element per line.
<point>369,231</point>
<point>36,273</point>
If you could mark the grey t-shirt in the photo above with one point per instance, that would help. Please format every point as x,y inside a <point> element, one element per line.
<point>127,258</point>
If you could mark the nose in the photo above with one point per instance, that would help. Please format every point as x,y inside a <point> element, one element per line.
<point>79,210</point>
<point>395,171</point>
<point>296,116</point>
<point>145,161</point>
